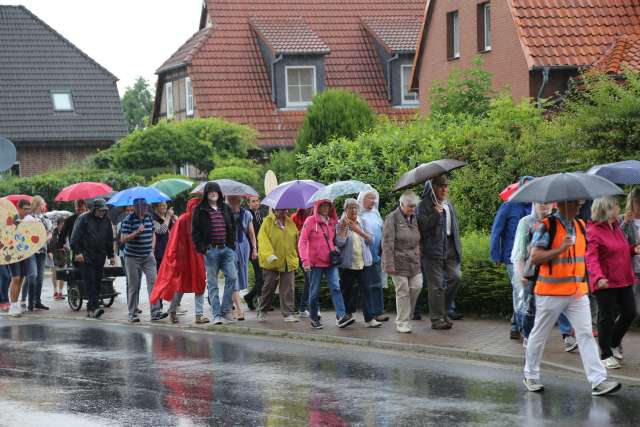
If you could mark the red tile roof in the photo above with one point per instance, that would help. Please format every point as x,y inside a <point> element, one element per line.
<point>624,55</point>
<point>572,32</point>
<point>289,36</point>
<point>397,35</point>
<point>230,79</point>
<point>184,54</point>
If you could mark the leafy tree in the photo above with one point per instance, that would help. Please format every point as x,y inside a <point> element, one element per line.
<point>249,176</point>
<point>284,164</point>
<point>136,104</point>
<point>334,113</point>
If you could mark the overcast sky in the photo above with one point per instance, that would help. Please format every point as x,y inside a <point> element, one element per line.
<point>129,38</point>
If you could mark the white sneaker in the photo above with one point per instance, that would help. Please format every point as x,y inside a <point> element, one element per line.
<point>261,317</point>
<point>227,318</point>
<point>15,311</point>
<point>373,323</point>
<point>611,363</point>
<point>403,328</point>
<point>304,314</point>
<point>617,352</point>
<point>291,318</point>
<point>533,385</point>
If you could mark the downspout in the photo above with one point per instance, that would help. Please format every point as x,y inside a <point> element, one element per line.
<point>388,64</point>
<point>273,77</point>
<point>545,80</point>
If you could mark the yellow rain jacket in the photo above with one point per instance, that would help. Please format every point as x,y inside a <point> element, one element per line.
<point>283,243</point>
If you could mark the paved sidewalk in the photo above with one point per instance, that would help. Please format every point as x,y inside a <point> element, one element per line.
<point>471,338</point>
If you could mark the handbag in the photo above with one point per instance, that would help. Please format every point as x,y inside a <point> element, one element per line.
<point>334,256</point>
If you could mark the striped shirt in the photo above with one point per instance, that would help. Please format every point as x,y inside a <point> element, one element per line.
<point>218,228</point>
<point>142,245</point>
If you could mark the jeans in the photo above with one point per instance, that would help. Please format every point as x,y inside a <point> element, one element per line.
<point>376,289</point>
<point>91,273</point>
<point>215,260</point>
<point>333,278</point>
<point>177,298</point>
<point>611,330</point>
<point>352,281</point>
<point>5,281</point>
<point>135,267</point>
<point>29,281</point>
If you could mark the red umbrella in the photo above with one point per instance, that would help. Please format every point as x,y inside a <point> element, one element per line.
<point>15,198</point>
<point>509,190</point>
<point>83,190</point>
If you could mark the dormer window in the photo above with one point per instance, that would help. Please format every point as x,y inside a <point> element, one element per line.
<point>408,97</point>
<point>294,57</point>
<point>62,101</point>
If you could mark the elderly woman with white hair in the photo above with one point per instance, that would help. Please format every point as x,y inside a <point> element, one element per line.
<point>355,257</point>
<point>611,278</point>
<point>401,257</point>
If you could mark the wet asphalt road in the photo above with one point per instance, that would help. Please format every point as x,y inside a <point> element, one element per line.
<point>80,374</point>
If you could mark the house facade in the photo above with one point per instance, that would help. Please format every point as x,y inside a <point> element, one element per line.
<point>532,47</point>
<point>260,62</point>
<point>57,105</point>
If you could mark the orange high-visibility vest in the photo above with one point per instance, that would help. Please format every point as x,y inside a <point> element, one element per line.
<point>566,274</point>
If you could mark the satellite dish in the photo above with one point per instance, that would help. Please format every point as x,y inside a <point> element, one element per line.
<point>7,154</point>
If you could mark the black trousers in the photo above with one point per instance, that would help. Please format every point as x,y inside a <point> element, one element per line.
<point>256,291</point>
<point>611,330</point>
<point>354,286</point>
<point>91,273</point>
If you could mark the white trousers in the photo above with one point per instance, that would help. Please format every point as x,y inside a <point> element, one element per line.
<point>548,309</point>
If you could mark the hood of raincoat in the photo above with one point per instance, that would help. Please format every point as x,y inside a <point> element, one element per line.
<point>211,187</point>
<point>376,204</point>
<point>333,215</point>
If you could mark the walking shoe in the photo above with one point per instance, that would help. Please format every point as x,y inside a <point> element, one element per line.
<point>403,328</point>
<point>373,323</point>
<point>617,352</point>
<point>201,319</point>
<point>514,335</point>
<point>611,363</point>
<point>606,387</point>
<point>441,325</point>
<point>570,343</point>
<point>382,318</point>
<point>315,324</point>
<point>304,314</point>
<point>173,317</point>
<point>262,317</point>
<point>345,321</point>
<point>217,320</point>
<point>228,318</point>
<point>40,306</point>
<point>91,315</point>
<point>97,313</point>
<point>291,318</point>
<point>533,385</point>
<point>249,302</point>
<point>454,315</point>
<point>134,319</point>
<point>159,316</point>
<point>15,310</point>
<point>138,311</point>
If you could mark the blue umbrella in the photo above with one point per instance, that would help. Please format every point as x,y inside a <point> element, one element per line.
<point>626,172</point>
<point>126,197</point>
<point>340,188</point>
<point>292,194</point>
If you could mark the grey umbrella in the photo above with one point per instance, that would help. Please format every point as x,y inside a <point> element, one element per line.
<point>425,172</point>
<point>229,187</point>
<point>566,186</point>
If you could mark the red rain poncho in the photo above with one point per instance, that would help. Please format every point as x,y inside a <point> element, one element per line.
<point>182,268</point>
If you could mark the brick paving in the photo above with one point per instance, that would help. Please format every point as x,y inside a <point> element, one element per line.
<point>470,338</point>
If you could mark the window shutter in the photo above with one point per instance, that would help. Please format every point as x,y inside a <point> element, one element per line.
<point>480,26</point>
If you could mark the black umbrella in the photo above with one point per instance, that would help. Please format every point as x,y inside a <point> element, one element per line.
<point>426,171</point>
<point>564,187</point>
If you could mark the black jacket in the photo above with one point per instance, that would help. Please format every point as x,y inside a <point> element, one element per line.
<point>433,230</point>
<point>92,237</point>
<point>201,223</point>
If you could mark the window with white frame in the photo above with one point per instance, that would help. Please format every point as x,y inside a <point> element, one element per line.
<point>62,101</point>
<point>189,96</point>
<point>168,88</point>
<point>408,97</point>
<point>484,20</point>
<point>301,85</point>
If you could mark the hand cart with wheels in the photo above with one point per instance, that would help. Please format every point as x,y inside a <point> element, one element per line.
<point>76,290</point>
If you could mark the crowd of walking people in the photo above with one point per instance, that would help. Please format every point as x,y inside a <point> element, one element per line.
<point>563,267</point>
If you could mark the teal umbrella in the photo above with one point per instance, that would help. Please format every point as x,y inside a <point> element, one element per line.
<point>340,188</point>
<point>172,186</point>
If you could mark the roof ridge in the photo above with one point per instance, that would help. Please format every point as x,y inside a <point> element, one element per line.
<point>64,39</point>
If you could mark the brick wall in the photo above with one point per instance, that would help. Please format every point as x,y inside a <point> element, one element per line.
<point>37,159</point>
<point>506,60</point>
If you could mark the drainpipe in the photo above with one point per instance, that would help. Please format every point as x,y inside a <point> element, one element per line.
<point>389,61</point>
<point>273,77</point>
<point>545,80</point>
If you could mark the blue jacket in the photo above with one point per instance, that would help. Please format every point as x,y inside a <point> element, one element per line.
<point>503,231</point>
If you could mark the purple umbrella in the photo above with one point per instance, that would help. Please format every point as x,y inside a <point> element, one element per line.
<point>292,194</point>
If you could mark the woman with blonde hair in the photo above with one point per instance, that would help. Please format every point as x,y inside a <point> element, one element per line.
<point>611,278</point>
<point>34,282</point>
<point>631,228</point>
